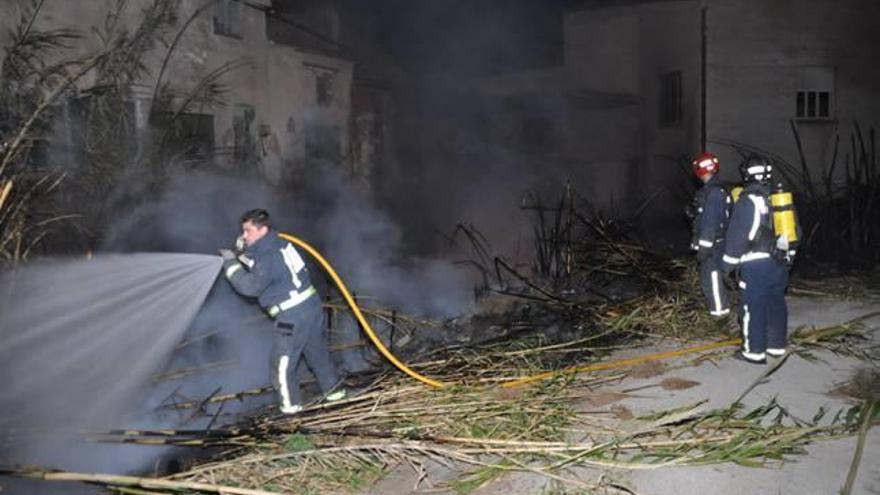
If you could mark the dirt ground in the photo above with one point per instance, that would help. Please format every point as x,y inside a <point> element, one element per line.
<point>801,386</point>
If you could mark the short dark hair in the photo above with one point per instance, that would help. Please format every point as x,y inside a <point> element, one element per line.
<point>258,217</point>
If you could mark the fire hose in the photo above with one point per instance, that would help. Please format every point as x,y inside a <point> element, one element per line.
<point>365,325</point>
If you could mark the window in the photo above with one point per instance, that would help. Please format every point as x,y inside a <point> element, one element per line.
<point>189,134</point>
<point>323,143</point>
<point>813,105</point>
<point>814,92</point>
<point>195,135</point>
<point>244,134</point>
<point>670,99</point>
<point>324,89</point>
<point>227,18</point>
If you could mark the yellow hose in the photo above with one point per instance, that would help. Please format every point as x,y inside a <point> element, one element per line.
<point>622,363</point>
<point>357,312</point>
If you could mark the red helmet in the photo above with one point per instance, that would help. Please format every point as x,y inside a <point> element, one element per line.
<point>705,163</point>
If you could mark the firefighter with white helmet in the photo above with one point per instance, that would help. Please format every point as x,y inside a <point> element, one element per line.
<point>711,208</point>
<point>762,254</point>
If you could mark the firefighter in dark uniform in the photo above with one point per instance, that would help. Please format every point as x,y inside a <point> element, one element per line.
<point>271,270</point>
<point>711,209</point>
<point>762,259</point>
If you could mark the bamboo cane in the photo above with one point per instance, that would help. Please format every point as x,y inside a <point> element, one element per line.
<point>5,188</point>
<point>135,481</point>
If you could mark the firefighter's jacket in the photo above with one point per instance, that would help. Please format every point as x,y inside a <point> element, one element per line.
<point>712,204</point>
<point>272,271</point>
<point>750,233</point>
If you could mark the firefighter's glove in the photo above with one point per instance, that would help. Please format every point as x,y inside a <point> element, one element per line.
<point>227,254</point>
<point>783,252</point>
<point>239,244</point>
<point>782,243</point>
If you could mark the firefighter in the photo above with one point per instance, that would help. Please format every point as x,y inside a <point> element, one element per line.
<point>711,208</point>
<point>271,270</point>
<point>761,259</point>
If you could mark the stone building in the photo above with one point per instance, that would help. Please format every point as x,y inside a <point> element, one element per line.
<point>282,105</point>
<point>771,66</point>
<point>625,110</point>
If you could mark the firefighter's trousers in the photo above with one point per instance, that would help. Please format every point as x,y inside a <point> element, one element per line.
<point>301,333</point>
<point>712,284</point>
<point>763,312</point>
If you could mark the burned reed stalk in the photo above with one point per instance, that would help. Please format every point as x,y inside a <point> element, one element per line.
<point>134,481</point>
<point>843,222</point>
<point>487,427</point>
<point>865,420</point>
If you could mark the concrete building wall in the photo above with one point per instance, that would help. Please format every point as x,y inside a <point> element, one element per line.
<point>762,52</point>
<point>669,47</point>
<point>626,50</point>
<point>602,153</point>
<point>602,49</point>
<point>276,84</point>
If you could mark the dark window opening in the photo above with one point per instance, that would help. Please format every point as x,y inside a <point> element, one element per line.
<point>813,105</point>
<point>323,143</point>
<point>670,99</point>
<point>310,26</point>
<point>227,18</point>
<point>188,134</point>
<point>324,89</point>
<point>65,139</point>
<point>244,134</point>
<point>195,134</point>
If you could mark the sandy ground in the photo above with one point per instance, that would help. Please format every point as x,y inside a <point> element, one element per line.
<point>799,385</point>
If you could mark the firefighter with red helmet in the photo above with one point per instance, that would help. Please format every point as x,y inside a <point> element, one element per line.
<point>712,205</point>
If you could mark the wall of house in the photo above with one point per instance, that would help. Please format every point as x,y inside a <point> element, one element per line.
<point>624,51</point>
<point>762,52</point>
<point>602,49</point>
<point>669,43</point>
<point>270,89</point>
<point>372,144</point>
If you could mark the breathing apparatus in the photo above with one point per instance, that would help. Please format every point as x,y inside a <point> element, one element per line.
<point>783,217</point>
<point>735,191</point>
<point>784,220</point>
